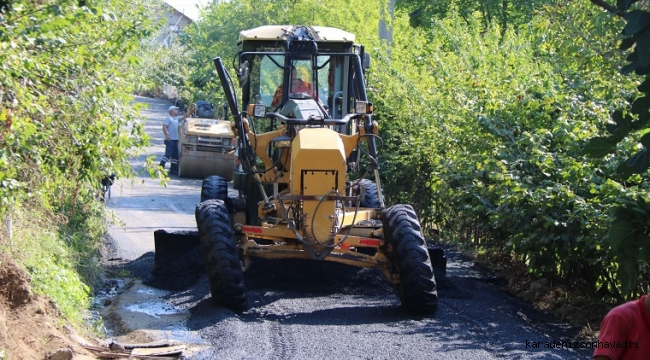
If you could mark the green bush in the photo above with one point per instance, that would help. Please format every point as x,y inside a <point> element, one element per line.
<point>66,121</point>
<point>493,125</point>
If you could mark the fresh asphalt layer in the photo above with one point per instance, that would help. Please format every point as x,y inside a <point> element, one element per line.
<point>302,309</point>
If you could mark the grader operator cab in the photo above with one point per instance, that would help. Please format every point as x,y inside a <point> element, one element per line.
<point>305,136</point>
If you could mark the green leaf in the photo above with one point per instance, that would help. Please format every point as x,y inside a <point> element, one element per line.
<point>643,47</point>
<point>640,162</point>
<point>624,171</point>
<point>621,126</point>
<point>619,232</point>
<point>627,43</point>
<point>599,146</point>
<point>624,4</point>
<point>645,140</point>
<point>628,274</point>
<point>637,20</point>
<point>645,86</point>
<point>641,104</point>
<point>645,240</point>
<point>642,70</point>
<point>629,68</point>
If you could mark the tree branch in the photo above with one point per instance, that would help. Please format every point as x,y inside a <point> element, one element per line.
<point>610,8</point>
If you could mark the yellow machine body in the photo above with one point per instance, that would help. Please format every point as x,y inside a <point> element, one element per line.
<point>317,171</point>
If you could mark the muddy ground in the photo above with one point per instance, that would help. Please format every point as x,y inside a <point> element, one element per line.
<point>31,326</point>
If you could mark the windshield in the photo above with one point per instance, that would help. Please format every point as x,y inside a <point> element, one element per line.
<point>266,74</point>
<point>327,79</point>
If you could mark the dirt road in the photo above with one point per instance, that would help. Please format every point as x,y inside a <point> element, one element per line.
<point>306,309</point>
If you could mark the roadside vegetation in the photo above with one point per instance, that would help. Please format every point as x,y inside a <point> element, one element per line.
<point>519,134</point>
<point>512,121</point>
<point>66,121</point>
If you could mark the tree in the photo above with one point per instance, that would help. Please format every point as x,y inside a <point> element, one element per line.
<point>504,12</point>
<point>628,141</point>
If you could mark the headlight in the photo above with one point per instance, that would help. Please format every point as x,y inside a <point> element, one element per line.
<point>363,107</point>
<point>193,138</point>
<point>226,141</point>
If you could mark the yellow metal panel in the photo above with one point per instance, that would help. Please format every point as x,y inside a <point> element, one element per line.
<point>317,149</point>
<point>349,143</point>
<point>260,142</point>
<point>318,169</point>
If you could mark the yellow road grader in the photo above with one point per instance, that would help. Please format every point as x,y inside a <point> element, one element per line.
<point>305,132</point>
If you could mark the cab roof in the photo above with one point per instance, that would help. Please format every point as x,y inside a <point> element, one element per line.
<point>281,32</point>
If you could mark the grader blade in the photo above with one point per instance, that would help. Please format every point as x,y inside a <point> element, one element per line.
<point>201,164</point>
<point>170,247</point>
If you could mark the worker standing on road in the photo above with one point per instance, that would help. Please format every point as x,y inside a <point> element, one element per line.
<point>170,129</point>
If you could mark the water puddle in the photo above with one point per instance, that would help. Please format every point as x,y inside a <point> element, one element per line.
<point>154,308</point>
<point>139,310</point>
<point>152,291</point>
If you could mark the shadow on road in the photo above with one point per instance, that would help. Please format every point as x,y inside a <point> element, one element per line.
<point>311,294</point>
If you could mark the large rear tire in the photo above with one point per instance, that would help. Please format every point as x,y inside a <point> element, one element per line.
<point>214,187</point>
<point>221,257</point>
<point>371,197</point>
<point>417,290</point>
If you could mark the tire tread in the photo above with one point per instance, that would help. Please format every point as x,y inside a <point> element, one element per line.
<point>418,291</point>
<point>221,257</point>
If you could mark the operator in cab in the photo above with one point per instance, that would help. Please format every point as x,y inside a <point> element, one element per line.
<point>298,85</point>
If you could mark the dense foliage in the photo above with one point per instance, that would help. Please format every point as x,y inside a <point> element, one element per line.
<point>628,139</point>
<point>500,165</point>
<point>503,164</point>
<point>66,122</point>
<point>504,12</point>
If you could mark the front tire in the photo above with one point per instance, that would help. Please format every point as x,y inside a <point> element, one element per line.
<point>221,257</point>
<point>214,187</point>
<point>417,290</point>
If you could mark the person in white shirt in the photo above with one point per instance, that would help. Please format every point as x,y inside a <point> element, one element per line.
<point>170,129</point>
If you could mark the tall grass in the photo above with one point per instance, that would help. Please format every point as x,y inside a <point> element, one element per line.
<point>60,253</point>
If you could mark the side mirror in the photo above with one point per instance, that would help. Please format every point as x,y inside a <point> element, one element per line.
<point>257,110</point>
<point>242,74</point>
<point>366,60</point>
